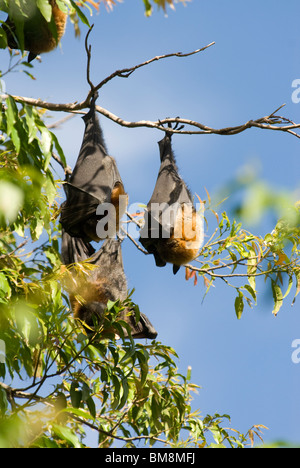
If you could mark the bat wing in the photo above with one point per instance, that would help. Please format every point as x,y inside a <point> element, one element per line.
<point>170,192</point>
<point>110,269</point>
<point>142,329</point>
<point>108,277</point>
<point>93,179</point>
<point>74,250</point>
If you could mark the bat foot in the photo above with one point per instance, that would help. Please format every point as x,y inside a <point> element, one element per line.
<point>177,126</point>
<point>93,100</point>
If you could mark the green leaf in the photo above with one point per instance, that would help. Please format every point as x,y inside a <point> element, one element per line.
<point>66,434</point>
<point>148,8</point>
<point>117,389</point>
<point>91,406</point>
<point>11,114</point>
<point>59,149</point>
<point>3,40</point>
<point>239,305</point>
<point>62,5</point>
<point>297,276</point>
<point>76,395</point>
<point>29,118</point>
<point>81,413</point>
<point>125,389</point>
<point>143,361</point>
<point>251,269</point>
<point>189,373</point>
<point>15,139</point>
<point>277,296</point>
<point>3,401</point>
<point>45,9</point>
<point>251,291</point>
<point>5,289</point>
<point>46,145</point>
<point>289,287</point>
<point>80,14</point>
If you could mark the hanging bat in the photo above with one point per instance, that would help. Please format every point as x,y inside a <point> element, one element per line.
<point>106,281</point>
<point>173,229</point>
<point>39,36</point>
<point>96,199</point>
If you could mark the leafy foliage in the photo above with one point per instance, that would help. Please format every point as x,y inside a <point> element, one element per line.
<point>235,255</point>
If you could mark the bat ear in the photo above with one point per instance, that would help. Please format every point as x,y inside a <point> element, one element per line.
<point>176,268</point>
<point>31,57</point>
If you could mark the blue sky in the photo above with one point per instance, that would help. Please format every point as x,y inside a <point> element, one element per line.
<point>244,367</point>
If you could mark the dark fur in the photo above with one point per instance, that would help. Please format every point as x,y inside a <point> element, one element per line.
<point>95,180</point>
<point>107,281</point>
<point>171,189</point>
<point>38,34</point>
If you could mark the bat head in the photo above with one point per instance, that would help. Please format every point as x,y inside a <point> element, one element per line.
<point>141,329</point>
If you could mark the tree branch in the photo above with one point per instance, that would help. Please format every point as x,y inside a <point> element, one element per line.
<point>270,122</point>
<point>264,123</point>
<point>88,49</point>
<point>126,72</point>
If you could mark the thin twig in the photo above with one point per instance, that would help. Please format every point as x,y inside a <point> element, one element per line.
<point>126,72</point>
<point>270,122</point>
<point>88,49</point>
<point>134,242</point>
<point>14,251</point>
<point>112,436</point>
<point>60,122</point>
<point>67,169</point>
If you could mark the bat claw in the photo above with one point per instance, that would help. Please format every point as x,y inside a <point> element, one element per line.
<point>175,127</point>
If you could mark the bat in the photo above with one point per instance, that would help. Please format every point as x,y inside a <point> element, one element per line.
<point>38,35</point>
<point>173,230</point>
<point>96,198</point>
<point>105,281</point>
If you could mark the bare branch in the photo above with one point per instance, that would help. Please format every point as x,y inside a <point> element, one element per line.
<point>67,169</point>
<point>88,49</point>
<point>270,122</point>
<point>126,72</point>
<point>134,242</point>
<point>16,393</point>
<point>14,251</point>
<point>265,123</point>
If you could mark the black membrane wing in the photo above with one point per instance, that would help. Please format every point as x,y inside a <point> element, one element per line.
<point>94,177</point>
<point>170,192</point>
